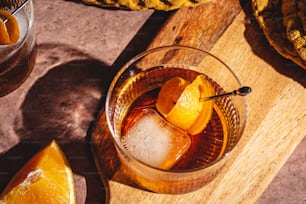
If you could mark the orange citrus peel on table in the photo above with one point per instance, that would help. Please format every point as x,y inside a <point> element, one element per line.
<point>182,103</point>
<point>9,31</point>
<point>45,178</point>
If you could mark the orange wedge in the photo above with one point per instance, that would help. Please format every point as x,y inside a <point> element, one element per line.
<point>46,178</point>
<point>186,109</point>
<point>9,31</point>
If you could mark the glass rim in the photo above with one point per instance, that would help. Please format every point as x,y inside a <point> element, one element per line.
<point>121,147</point>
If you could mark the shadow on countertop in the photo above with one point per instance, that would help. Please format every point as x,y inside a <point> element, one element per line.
<point>61,105</point>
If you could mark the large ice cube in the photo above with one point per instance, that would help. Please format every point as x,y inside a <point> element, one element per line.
<point>154,141</point>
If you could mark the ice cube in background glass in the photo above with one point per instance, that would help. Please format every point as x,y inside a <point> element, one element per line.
<point>156,142</point>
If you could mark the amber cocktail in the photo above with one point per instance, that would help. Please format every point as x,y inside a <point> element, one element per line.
<point>173,151</point>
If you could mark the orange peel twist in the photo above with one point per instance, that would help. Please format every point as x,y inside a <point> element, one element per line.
<point>9,31</point>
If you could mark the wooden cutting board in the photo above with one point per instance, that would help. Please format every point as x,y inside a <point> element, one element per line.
<point>276,107</point>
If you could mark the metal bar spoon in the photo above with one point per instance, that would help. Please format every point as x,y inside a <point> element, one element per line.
<point>242,91</point>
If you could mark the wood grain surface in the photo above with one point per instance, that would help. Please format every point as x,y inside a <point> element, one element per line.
<point>276,107</point>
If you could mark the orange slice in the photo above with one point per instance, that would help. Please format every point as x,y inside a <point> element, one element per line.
<point>188,111</point>
<point>9,31</point>
<point>46,178</point>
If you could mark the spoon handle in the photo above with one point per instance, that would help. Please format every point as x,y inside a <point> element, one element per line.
<point>20,7</point>
<point>242,91</point>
